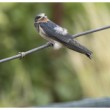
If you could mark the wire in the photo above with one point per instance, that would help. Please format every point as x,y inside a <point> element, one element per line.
<point>90,31</point>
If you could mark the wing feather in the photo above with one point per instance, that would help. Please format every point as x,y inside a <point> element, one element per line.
<point>67,39</point>
<point>49,26</point>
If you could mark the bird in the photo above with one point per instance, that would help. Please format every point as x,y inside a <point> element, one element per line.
<point>57,35</point>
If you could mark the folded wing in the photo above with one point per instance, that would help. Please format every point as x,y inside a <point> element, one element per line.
<point>66,39</point>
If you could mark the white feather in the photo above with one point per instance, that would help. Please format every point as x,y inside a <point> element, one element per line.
<point>61,30</point>
<point>57,45</point>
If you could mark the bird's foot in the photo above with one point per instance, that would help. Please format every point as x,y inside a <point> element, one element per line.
<point>50,44</point>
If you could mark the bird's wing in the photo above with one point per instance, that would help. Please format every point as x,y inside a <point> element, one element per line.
<point>59,34</point>
<point>55,32</point>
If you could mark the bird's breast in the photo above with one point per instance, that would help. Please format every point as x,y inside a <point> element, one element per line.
<point>43,34</point>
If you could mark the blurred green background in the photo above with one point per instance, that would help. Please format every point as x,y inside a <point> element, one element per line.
<point>53,76</point>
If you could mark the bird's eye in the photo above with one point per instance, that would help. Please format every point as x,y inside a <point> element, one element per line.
<point>38,17</point>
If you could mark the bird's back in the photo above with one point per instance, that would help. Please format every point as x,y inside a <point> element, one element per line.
<point>66,39</point>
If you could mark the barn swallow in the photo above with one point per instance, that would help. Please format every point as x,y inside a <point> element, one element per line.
<point>57,35</point>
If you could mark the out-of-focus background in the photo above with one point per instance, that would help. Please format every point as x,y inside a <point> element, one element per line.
<point>53,76</point>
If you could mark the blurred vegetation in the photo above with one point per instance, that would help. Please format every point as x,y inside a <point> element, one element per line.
<point>53,76</point>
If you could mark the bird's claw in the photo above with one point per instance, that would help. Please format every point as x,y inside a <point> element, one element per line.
<point>50,44</point>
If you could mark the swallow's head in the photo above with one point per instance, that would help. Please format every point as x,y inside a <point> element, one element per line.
<point>41,18</point>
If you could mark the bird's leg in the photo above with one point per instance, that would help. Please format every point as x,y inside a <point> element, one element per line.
<point>50,43</point>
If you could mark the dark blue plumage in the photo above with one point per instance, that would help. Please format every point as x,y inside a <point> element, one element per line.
<point>48,27</point>
<point>66,40</point>
<point>59,34</point>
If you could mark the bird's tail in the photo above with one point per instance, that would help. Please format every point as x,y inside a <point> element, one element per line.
<point>89,54</point>
<point>74,45</point>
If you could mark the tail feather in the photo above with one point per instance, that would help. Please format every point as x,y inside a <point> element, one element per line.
<point>89,55</point>
<point>74,45</point>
